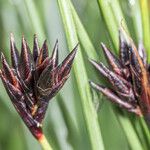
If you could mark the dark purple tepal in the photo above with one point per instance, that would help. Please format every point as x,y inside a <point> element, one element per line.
<point>129,76</point>
<point>33,80</point>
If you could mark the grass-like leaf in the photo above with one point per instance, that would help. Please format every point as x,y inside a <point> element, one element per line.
<point>83,36</point>
<point>89,112</point>
<point>146,24</point>
<point>105,9</point>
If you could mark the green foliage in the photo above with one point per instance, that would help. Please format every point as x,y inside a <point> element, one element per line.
<point>72,120</point>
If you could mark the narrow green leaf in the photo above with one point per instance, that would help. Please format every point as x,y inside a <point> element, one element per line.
<point>89,112</point>
<point>146,24</point>
<point>137,21</point>
<point>130,133</point>
<point>145,130</point>
<point>109,19</point>
<point>118,14</point>
<point>83,36</point>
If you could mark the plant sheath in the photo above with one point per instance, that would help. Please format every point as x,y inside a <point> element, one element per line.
<point>44,143</point>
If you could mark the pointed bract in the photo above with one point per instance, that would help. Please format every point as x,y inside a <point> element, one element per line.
<point>36,48</point>
<point>113,60</point>
<point>65,67</point>
<point>99,67</point>
<point>114,98</point>
<point>55,55</point>
<point>43,53</point>
<point>7,71</point>
<point>25,62</point>
<point>124,52</point>
<point>14,52</point>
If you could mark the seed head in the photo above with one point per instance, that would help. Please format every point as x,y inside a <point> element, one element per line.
<point>33,79</point>
<point>129,76</point>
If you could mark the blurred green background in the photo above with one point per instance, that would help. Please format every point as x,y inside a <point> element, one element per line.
<point>27,17</point>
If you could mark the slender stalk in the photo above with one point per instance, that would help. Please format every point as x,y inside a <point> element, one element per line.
<point>83,35</point>
<point>118,14</point>
<point>105,9</point>
<point>130,133</point>
<point>89,112</point>
<point>44,143</point>
<point>137,20</point>
<point>146,24</point>
<point>145,129</point>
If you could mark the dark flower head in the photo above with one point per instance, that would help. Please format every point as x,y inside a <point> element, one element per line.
<point>129,76</point>
<point>33,79</point>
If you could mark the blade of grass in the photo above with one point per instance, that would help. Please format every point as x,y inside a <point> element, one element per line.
<point>105,9</point>
<point>113,18</point>
<point>130,133</point>
<point>118,14</point>
<point>135,11</point>
<point>140,132</point>
<point>89,112</point>
<point>83,36</point>
<point>145,130</point>
<point>146,24</point>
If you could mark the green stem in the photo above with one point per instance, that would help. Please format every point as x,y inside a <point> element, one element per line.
<point>146,24</point>
<point>130,133</point>
<point>44,143</point>
<point>145,129</point>
<point>105,9</point>
<point>89,112</point>
<point>137,21</point>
